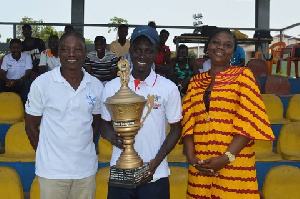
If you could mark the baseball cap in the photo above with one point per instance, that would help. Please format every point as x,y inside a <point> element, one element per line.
<point>101,39</point>
<point>147,31</point>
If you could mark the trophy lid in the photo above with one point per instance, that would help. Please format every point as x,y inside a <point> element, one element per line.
<point>125,95</point>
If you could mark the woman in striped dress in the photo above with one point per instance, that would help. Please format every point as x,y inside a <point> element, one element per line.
<point>223,113</point>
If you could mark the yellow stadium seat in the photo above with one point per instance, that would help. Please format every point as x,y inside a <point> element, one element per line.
<point>288,145</point>
<point>11,108</point>
<point>17,145</point>
<point>102,178</point>
<point>264,151</point>
<point>10,184</point>
<point>282,182</point>
<point>178,182</point>
<point>35,189</point>
<point>105,150</point>
<point>274,108</point>
<point>293,109</point>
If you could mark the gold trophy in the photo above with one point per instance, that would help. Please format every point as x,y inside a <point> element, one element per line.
<point>126,109</point>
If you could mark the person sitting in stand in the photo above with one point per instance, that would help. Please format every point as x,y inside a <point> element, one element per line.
<point>69,29</point>
<point>121,45</point>
<point>182,69</point>
<point>100,62</point>
<point>32,46</point>
<point>152,24</point>
<point>164,54</point>
<point>15,71</point>
<point>49,58</point>
<point>239,56</point>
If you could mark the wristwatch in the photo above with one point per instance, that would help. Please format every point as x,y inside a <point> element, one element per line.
<point>230,156</point>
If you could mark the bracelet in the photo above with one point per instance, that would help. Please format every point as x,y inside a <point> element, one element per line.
<point>230,156</point>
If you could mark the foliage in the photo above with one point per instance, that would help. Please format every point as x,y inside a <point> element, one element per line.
<point>88,41</point>
<point>116,21</point>
<point>192,54</point>
<point>39,31</point>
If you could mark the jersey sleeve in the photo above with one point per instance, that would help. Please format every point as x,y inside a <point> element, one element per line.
<point>34,105</point>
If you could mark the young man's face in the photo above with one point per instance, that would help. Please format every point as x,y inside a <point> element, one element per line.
<point>16,49</point>
<point>27,32</point>
<point>143,54</point>
<point>123,32</point>
<point>72,52</point>
<point>100,47</point>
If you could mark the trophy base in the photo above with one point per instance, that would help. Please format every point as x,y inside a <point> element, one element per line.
<point>129,178</point>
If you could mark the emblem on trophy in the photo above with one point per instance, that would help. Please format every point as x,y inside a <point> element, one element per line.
<point>126,109</point>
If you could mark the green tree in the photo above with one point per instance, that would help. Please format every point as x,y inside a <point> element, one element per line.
<point>39,31</point>
<point>192,54</point>
<point>116,21</point>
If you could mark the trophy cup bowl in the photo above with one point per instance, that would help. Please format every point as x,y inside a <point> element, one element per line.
<point>126,109</point>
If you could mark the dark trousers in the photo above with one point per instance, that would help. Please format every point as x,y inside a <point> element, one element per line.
<point>22,88</point>
<point>159,189</point>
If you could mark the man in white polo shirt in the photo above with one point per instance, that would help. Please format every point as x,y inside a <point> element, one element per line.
<point>65,102</point>
<point>15,71</point>
<point>151,142</point>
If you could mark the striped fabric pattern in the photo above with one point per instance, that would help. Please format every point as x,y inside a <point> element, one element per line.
<point>236,107</point>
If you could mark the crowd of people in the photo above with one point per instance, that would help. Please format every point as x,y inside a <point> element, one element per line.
<point>221,115</point>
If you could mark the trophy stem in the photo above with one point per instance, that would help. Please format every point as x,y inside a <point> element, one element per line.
<point>129,158</point>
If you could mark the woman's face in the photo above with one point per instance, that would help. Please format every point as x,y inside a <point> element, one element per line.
<point>182,54</point>
<point>221,48</point>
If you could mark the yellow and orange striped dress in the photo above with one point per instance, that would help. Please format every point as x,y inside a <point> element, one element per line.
<point>236,107</point>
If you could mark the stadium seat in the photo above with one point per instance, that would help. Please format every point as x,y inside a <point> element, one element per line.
<point>102,178</point>
<point>17,145</point>
<point>293,109</point>
<point>274,108</point>
<point>10,184</point>
<point>105,150</point>
<point>178,182</point>
<point>11,108</point>
<point>282,182</point>
<point>258,67</point>
<point>278,85</point>
<point>264,151</point>
<point>35,189</point>
<point>288,145</point>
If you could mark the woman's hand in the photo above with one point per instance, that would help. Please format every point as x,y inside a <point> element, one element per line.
<point>216,163</point>
<point>200,166</point>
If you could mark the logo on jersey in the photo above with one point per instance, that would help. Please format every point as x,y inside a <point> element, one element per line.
<point>91,100</point>
<point>157,102</point>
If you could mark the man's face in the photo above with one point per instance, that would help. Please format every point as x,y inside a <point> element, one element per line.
<point>27,32</point>
<point>143,54</point>
<point>163,37</point>
<point>16,49</point>
<point>123,32</point>
<point>72,52</point>
<point>53,42</point>
<point>100,47</point>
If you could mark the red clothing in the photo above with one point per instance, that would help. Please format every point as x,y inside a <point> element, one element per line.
<point>160,59</point>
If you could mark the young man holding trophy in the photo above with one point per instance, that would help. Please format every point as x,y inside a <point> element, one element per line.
<point>151,142</point>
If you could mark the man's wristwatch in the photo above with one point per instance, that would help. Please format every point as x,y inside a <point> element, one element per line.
<point>230,156</point>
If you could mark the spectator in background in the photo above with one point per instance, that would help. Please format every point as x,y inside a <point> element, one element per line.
<point>121,45</point>
<point>15,71</point>
<point>182,69</point>
<point>100,62</point>
<point>49,58</point>
<point>164,54</point>
<point>239,56</point>
<point>203,67</point>
<point>32,46</point>
<point>152,24</point>
<point>69,29</point>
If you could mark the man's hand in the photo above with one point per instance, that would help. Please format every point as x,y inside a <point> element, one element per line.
<point>10,83</point>
<point>117,140</point>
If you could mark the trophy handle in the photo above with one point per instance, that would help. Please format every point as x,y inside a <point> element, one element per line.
<point>149,104</point>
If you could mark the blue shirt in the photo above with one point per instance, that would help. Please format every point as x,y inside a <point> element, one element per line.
<point>237,55</point>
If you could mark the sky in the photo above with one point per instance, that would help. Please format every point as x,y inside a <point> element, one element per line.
<point>221,13</point>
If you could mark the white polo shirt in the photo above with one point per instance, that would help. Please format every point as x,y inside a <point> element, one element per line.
<point>16,69</point>
<point>167,105</point>
<point>65,149</point>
